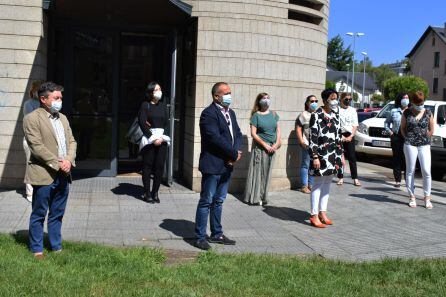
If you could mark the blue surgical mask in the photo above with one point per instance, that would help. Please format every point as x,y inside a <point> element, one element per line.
<point>418,107</point>
<point>56,106</point>
<point>404,102</point>
<point>226,100</point>
<point>313,106</point>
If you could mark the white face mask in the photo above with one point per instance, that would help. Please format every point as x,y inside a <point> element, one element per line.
<point>334,104</point>
<point>157,95</point>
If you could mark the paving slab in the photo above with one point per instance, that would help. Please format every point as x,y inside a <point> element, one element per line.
<point>371,222</point>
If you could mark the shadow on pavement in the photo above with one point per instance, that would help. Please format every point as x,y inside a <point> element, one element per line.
<point>377,197</point>
<point>22,237</point>
<point>129,189</point>
<point>287,214</point>
<point>181,228</point>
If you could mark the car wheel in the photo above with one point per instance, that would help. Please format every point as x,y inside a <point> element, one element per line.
<point>437,173</point>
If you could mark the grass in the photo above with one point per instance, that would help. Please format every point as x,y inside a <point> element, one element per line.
<point>84,269</point>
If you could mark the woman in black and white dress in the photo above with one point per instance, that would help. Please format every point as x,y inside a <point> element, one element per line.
<point>326,155</point>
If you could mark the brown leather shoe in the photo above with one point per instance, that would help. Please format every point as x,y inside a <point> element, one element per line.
<point>305,190</point>
<point>314,220</point>
<point>39,256</point>
<point>324,219</point>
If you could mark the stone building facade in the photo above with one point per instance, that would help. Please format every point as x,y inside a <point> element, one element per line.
<point>427,60</point>
<point>276,46</point>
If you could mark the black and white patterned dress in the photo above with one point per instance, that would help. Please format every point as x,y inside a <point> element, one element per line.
<point>325,142</point>
<point>417,130</point>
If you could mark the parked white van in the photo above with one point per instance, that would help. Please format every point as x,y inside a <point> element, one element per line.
<point>372,139</point>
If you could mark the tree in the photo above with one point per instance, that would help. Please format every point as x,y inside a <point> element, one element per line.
<point>404,84</point>
<point>359,67</point>
<point>337,55</point>
<point>381,74</point>
<point>377,97</point>
<point>330,84</point>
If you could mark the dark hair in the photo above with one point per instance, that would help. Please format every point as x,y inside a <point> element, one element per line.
<point>150,88</point>
<point>327,93</point>
<point>48,87</point>
<point>307,101</point>
<point>256,106</point>
<point>416,98</point>
<point>398,99</point>
<point>216,87</point>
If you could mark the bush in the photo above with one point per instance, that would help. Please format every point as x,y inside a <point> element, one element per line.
<point>377,98</point>
<point>404,84</point>
<point>330,84</point>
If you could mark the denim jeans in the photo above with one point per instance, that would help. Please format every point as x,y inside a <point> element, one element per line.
<point>214,188</point>
<point>53,198</point>
<point>306,180</point>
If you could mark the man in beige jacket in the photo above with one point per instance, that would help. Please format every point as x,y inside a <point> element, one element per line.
<point>53,150</point>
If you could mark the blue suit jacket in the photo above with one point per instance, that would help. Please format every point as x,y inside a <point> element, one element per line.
<point>216,141</point>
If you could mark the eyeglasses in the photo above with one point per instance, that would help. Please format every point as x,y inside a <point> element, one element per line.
<point>313,101</point>
<point>348,99</point>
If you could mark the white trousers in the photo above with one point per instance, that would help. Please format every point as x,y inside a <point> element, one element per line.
<point>424,155</point>
<point>29,188</point>
<point>320,193</point>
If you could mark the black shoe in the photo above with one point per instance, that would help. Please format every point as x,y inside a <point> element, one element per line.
<point>155,197</point>
<point>202,244</point>
<point>221,240</point>
<point>148,198</point>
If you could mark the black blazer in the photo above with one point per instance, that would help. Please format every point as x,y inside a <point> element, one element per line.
<point>216,141</point>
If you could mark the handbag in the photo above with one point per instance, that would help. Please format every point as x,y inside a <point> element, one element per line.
<point>135,134</point>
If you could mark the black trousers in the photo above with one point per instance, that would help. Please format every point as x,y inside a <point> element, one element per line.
<point>153,158</point>
<point>350,155</point>
<point>398,160</point>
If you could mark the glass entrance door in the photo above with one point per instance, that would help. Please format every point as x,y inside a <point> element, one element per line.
<point>91,102</point>
<point>143,59</point>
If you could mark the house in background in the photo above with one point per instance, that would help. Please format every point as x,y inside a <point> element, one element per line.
<point>399,67</point>
<point>428,61</point>
<point>343,81</point>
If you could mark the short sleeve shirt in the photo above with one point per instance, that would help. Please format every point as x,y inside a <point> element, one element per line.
<point>349,118</point>
<point>266,125</point>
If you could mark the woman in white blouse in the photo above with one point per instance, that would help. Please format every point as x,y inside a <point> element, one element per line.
<point>349,124</point>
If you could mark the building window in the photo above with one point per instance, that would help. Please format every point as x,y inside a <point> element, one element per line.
<point>444,66</point>
<point>299,16</point>
<point>444,96</point>
<point>437,59</point>
<point>435,86</point>
<point>309,4</point>
<point>433,40</point>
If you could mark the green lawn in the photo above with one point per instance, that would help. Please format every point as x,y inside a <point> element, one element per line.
<point>94,270</point>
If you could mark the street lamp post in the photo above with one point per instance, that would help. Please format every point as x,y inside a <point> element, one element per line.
<point>354,43</point>
<point>363,80</point>
<point>348,73</point>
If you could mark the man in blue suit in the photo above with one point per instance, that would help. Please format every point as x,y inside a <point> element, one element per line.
<point>221,140</point>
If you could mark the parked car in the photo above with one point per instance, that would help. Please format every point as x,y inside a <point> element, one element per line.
<point>372,139</point>
<point>364,116</point>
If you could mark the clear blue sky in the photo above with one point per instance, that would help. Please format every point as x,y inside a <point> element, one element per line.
<point>391,27</point>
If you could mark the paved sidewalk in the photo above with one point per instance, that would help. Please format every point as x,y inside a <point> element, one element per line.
<point>370,222</point>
